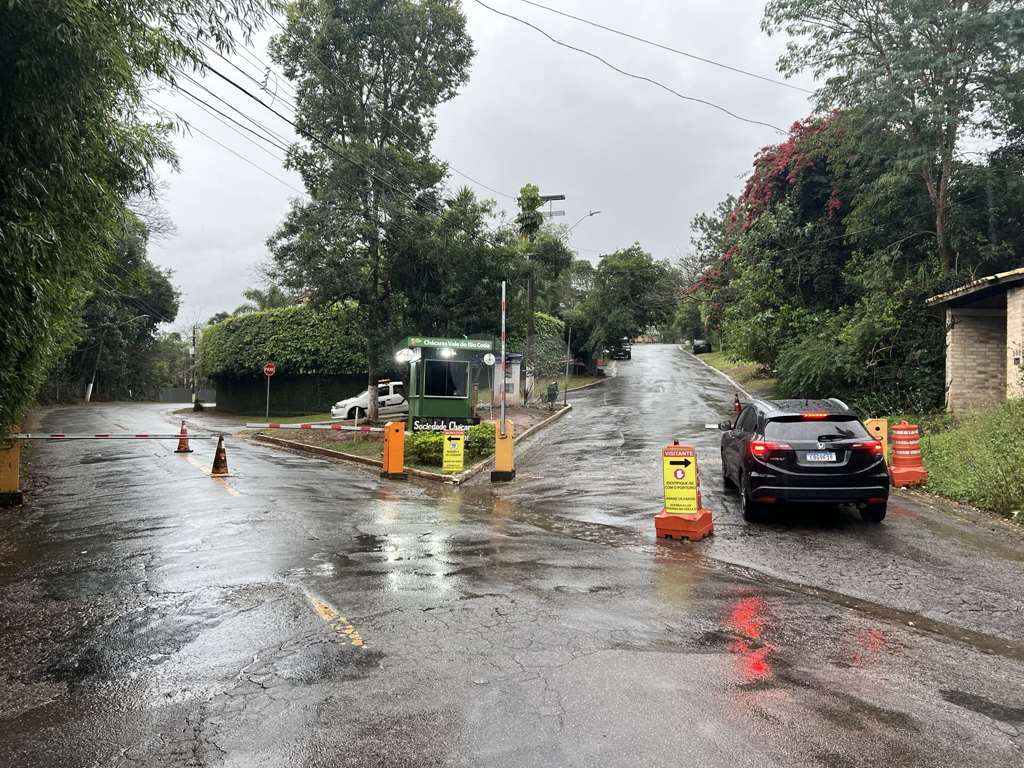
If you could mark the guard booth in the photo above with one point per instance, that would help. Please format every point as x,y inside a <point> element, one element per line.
<point>439,381</point>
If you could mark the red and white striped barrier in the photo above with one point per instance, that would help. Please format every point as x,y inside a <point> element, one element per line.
<point>331,427</point>
<point>106,436</point>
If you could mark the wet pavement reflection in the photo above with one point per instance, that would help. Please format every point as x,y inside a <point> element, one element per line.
<point>320,616</point>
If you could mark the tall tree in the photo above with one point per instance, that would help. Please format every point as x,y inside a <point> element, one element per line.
<point>369,75</point>
<point>631,292</point>
<point>120,318</point>
<point>449,262</point>
<point>933,70</point>
<point>74,146</point>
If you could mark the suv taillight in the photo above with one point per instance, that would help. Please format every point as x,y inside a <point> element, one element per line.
<point>762,449</point>
<point>874,447</point>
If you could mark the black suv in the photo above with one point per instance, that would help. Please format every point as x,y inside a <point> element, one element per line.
<point>621,350</point>
<point>803,451</point>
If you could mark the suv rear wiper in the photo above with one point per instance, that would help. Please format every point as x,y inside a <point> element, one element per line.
<point>823,438</point>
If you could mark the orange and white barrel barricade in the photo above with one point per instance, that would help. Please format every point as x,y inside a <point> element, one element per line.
<point>907,467</point>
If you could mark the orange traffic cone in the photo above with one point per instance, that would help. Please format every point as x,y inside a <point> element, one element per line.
<point>183,440</point>
<point>220,460</point>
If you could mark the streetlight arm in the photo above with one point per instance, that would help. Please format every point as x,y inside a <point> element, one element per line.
<point>581,218</point>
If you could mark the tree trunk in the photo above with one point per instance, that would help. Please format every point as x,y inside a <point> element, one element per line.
<point>938,192</point>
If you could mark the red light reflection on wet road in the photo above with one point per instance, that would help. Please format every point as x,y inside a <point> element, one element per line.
<point>747,619</point>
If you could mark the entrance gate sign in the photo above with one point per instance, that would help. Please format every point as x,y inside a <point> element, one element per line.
<point>679,465</point>
<point>454,451</point>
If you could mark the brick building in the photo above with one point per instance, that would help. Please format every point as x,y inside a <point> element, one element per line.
<point>984,340</point>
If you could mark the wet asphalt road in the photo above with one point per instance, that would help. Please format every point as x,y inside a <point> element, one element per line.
<point>304,613</point>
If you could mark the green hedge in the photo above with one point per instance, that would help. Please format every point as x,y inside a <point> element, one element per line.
<point>544,326</point>
<point>300,339</point>
<point>426,448</point>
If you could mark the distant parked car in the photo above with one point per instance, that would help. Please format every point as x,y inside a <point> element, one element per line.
<point>621,350</point>
<point>700,346</point>
<point>803,451</point>
<point>390,402</point>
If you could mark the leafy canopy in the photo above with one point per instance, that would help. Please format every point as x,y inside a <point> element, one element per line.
<point>369,76</point>
<point>932,70</point>
<point>74,146</point>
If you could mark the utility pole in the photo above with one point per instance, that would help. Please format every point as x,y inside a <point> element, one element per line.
<point>568,358</point>
<point>530,220</point>
<point>192,352</point>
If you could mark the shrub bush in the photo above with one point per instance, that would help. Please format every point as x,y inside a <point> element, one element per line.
<point>427,448</point>
<point>301,339</point>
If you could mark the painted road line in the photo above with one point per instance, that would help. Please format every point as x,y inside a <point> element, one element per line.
<point>342,627</point>
<point>232,491</point>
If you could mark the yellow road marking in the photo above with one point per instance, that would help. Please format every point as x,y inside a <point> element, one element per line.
<point>206,471</point>
<point>338,623</point>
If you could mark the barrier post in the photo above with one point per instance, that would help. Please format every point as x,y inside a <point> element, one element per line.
<point>394,451</point>
<point>504,470</point>
<point>683,516</point>
<point>10,472</point>
<point>879,429</point>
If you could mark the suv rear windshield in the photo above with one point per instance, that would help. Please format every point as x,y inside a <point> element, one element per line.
<point>796,428</point>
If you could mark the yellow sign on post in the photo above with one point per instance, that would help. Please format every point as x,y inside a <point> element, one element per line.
<point>454,450</point>
<point>679,469</point>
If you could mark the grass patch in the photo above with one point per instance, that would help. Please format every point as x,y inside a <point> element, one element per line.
<point>359,446</point>
<point>751,376</point>
<point>979,459</point>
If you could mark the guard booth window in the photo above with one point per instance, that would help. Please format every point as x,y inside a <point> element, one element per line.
<point>446,378</point>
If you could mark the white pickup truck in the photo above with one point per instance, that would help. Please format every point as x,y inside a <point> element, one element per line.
<point>390,402</point>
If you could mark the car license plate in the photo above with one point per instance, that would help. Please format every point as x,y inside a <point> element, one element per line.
<point>821,455</point>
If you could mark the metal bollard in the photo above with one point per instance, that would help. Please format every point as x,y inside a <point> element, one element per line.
<point>394,451</point>
<point>504,471</point>
<point>10,472</point>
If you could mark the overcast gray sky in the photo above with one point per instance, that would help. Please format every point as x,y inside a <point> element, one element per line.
<point>532,111</point>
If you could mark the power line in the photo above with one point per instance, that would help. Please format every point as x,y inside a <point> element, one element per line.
<point>309,135</point>
<point>210,109</point>
<point>227,148</point>
<point>669,48</point>
<point>333,74</point>
<point>283,140</point>
<point>260,83</point>
<point>631,74</point>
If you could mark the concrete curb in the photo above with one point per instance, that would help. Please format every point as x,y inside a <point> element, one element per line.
<point>591,385</point>
<point>723,374</point>
<point>352,458</point>
<point>479,466</point>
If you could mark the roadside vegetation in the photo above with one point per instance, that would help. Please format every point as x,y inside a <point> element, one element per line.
<point>979,460</point>
<point>819,265</point>
<point>751,376</point>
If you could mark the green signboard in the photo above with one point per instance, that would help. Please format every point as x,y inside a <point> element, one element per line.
<point>477,345</point>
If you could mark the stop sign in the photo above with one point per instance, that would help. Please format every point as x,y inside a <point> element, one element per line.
<point>269,369</point>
